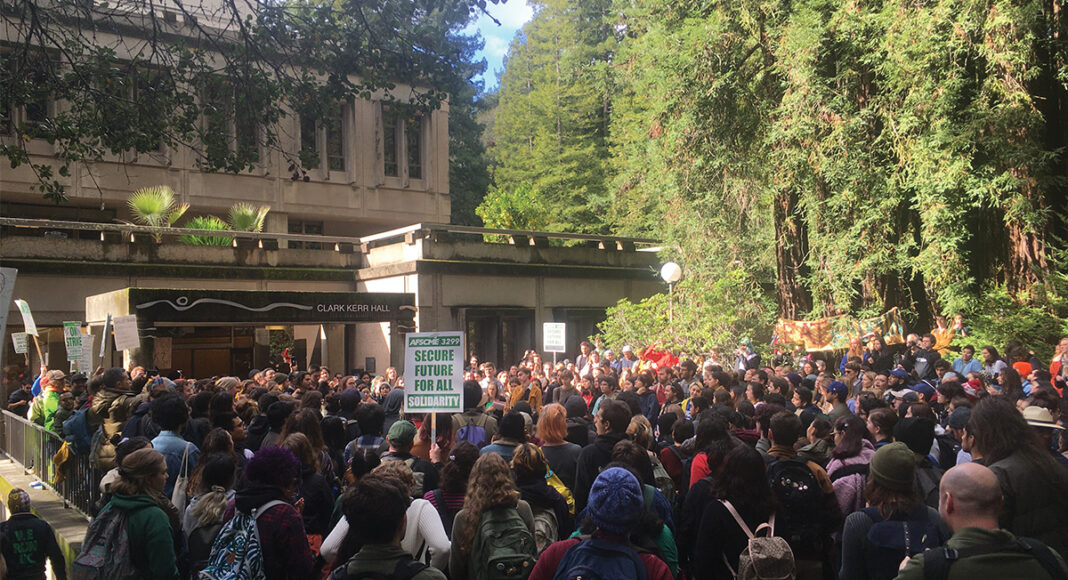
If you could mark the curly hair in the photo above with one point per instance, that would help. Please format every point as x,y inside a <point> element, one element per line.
<point>490,485</point>
<point>273,465</point>
<point>299,444</point>
<point>397,470</point>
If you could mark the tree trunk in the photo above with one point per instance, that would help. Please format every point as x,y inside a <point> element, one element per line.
<point>791,246</point>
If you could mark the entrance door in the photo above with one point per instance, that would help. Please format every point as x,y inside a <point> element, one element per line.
<point>500,335</point>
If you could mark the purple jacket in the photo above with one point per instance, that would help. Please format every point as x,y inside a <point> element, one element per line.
<point>850,489</point>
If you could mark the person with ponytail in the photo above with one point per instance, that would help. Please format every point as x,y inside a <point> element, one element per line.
<point>139,492</point>
<point>204,515</point>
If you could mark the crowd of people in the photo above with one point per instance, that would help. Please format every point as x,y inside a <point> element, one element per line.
<point>891,462</point>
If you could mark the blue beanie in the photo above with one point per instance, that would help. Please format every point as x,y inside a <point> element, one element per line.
<point>616,501</point>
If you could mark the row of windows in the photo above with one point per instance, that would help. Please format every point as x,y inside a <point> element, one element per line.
<point>232,127</point>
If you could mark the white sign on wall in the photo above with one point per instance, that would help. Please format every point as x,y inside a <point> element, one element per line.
<point>554,337</point>
<point>126,336</point>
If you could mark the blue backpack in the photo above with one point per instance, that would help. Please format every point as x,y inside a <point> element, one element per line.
<point>76,432</point>
<point>597,559</point>
<point>472,431</point>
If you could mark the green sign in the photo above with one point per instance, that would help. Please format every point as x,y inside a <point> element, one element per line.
<point>433,372</point>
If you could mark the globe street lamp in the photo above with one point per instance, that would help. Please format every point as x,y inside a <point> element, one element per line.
<point>671,273</point>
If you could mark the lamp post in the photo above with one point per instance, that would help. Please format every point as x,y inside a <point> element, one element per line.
<point>671,273</point>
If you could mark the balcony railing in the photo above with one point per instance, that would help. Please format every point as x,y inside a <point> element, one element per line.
<point>33,448</point>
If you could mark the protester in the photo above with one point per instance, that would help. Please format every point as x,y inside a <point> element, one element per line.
<point>552,520</point>
<point>401,436</point>
<point>381,504</point>
<point>203,516</point>
<point>449,498</point>
<point>611,422</point>
<point>615,506</point>
<point>970,500</point>
<point>562,455</point>
<point>848,467</point>
<point>896,524</point>
<point>491,501</point>
<point>26,541</point>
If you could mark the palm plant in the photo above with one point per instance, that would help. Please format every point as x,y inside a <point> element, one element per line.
<point>244,217</point>
<point>155,206</point>
<point>208,222</point>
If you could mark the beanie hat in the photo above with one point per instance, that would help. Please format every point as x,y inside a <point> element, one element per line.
<point>917,433</point>
<point>894,467</point>
<point>576,407</point>
<point>401,433</point>
<point>18,501</point>
<point>1022,367</point>
<point>350,399</point>
<point>616,501</point>
<point>958,419</point>
<point>794,378</point>
<point>901,374</point>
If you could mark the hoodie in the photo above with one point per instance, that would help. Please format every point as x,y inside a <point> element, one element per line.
<point>542,496</point>
<point>149,530</point>
<point>257,430</point>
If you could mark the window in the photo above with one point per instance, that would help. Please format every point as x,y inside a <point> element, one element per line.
<point>414,133</point>
<point>308,228</point>
<point>231,121</point>
<point>389,141</point>
<point>324,139</point>
<point>402,142</point>
<point>335,145</point>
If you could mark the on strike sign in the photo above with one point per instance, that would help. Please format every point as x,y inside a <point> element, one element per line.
<point>434,372</point>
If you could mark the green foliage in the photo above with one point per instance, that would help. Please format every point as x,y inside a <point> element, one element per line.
<point>550,129</point>
<point>245,217</point>
<point>155,206</point>
<point>208,222</point>
<point>519,208</point>
<point>698,316</point>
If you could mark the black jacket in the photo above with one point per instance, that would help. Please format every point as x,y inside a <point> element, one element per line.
<point>541,495</point>
<point>257,430</point>
<point>593,457</point>
<point>26,541</point>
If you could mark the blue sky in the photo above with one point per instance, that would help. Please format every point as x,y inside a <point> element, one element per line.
<point>512,14</point>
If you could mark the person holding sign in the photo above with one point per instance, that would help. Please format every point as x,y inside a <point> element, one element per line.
<point>45,406</point>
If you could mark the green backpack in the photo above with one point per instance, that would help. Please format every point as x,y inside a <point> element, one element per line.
<point>504,548</point>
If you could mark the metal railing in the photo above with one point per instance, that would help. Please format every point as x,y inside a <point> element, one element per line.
<point>34,448</point>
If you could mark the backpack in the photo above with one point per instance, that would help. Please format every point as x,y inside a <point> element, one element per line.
<point>76,432</point>
<point>406,569</point>
<point>847,470</point>
<point>889,541</point>
<point>105,553</point>
<point>599,559</point>
<point>473,430</point>
<point>766,557</point>
<point>800,499</point>
<point>417,491</point>
<point>927,479</point>
<point>546,528</point>
<point>937,562</point>
<point>504,548</point>
<point>199,543</point>
<point>448,516</point>
<point>236,553</point>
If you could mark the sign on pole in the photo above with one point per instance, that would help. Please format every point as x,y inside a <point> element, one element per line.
<point>106,335</point>
<point>72,339</point>
<point>86,362</point>
<point>22,342</point>
<point>554,337</point>
<point>27,317</point>
<point>434,372</point>
<point>126,336</point>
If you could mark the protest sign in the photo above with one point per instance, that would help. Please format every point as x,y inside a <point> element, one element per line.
<point>27,317</point>
<point>554,337</point>
<point>433,372</point>
<point>22,342</point>
<point>126,336</point>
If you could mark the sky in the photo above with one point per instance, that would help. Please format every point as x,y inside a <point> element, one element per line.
<point>512,14</point>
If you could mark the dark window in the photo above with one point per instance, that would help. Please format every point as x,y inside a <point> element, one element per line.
<point>245,126</point>
<point>309,150</point>
<point>414,133</point>
<point>308,228</point>
<point>335,146</point>
<point>389,142</point>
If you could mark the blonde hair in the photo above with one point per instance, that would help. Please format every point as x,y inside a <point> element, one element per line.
<point>640,431</point>
<point>552,423</point>
<point>397,470</point>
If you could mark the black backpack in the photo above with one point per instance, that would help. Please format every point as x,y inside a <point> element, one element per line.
<point>800,516</point>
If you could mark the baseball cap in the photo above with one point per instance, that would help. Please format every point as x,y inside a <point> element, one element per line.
<point>900,373</point>
<point>55,376</point>
<point>402,433</point>
<point>626,348</point>
<point>840,389</point>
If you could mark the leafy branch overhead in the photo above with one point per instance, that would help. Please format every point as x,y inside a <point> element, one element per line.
<point>115,78</point>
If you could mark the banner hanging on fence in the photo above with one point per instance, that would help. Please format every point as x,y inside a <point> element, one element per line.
<point>834,332</point>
